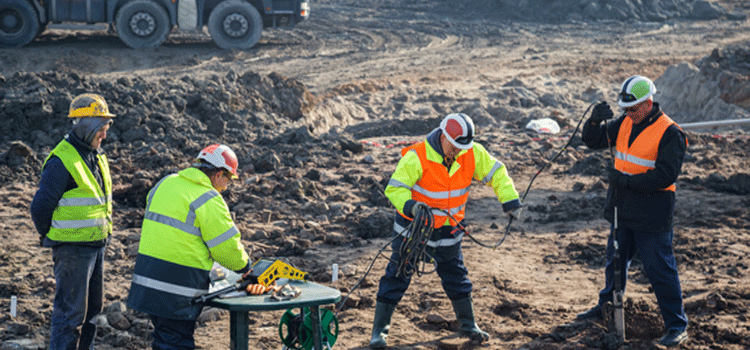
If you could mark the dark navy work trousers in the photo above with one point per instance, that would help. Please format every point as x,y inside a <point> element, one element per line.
<point>656,254</point>
<point>78,296</point>
<point>450,268</point>
<point>171,334</point>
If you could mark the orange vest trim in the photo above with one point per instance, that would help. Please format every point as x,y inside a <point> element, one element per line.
<point>640,156</point>
<point>438,189</point>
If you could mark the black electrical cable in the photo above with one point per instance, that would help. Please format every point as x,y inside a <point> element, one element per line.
<point>415,237</point>
<point>523,198</point>
<point>413,249</point>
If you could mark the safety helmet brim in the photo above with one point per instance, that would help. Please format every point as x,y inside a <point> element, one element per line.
<point>89,105</point>
<point>460,145</point>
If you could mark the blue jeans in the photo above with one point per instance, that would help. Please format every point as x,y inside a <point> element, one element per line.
<point>657,256</point>
<point>170,334</point>
<point>78,297</point>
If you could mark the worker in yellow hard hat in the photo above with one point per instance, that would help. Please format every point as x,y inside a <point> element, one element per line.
<point>72,211</point>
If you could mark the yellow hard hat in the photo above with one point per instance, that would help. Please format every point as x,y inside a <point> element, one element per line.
<point>89,105</point>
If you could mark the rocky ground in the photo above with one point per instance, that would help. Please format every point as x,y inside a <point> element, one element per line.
<point>317,116</point>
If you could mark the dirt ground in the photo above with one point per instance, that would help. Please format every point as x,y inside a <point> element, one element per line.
<point>363,80</point>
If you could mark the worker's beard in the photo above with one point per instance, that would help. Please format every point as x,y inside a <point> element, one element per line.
<point>449,161</point>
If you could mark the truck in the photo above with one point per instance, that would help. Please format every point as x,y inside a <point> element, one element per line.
<point>142,24</point>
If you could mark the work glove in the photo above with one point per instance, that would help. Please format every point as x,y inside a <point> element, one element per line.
<point>416,206</point>
<point>515,214</point>
<point>616,178</point>
<point>601,112</point>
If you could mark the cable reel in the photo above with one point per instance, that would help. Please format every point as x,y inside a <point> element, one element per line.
<point>296,330</point>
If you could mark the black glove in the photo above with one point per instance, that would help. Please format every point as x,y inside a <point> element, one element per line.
<point>601,113</point>
<point>416,206</point>
<point>616,178</point>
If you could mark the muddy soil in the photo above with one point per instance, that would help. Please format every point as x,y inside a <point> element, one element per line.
<point>317,116</point>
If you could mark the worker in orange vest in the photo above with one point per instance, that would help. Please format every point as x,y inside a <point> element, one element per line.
<point>436,174</point>
<point>650,148</point>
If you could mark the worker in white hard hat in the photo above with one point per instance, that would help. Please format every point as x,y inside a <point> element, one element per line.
<point>186,227</point>
<point>72,211</point>
<point>649,151</point>
<point>435,175</point>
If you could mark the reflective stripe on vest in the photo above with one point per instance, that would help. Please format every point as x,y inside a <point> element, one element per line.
<point>640,156</point>
<point>438,189</point>
<point>165,281</point>
<point>445,242</point>
<point>167,287</point>
<point>187,226</point>
<point>487,179</point>
<point>83,214</point>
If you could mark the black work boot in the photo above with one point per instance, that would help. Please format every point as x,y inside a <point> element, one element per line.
<point>593,314</point>
<point>464,309</point>
<point>674,337</point>
<point>381,324</point>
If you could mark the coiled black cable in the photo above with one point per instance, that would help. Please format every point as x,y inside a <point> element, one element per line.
<point>414,245</point>
<point>412,251</point>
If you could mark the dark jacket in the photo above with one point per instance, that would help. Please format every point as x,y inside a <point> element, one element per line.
<point>55,181</point>
<point>642,205</point>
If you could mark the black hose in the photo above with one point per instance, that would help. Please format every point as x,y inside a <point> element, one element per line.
<point>413,248</point>
<point>414,245</point>
<point>523,198</point>
<point>412,251</point>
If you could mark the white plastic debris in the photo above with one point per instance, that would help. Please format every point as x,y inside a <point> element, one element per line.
<point>334,272</point>
<point>544,126</point>
<point>13,301</point>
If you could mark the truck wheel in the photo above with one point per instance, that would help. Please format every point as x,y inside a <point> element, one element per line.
<point>235,24</point>
<point>19,23</point>
<point>142,24</point>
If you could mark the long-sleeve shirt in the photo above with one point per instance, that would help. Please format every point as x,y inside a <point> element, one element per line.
<point>409,171</point>
<point>643,205</point>
<point>55,181</point>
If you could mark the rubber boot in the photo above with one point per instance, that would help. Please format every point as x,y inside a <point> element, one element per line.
<point>381,324</point>
<point>464,309</point>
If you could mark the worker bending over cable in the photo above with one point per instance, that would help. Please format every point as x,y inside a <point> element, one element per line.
<point>435,175</point>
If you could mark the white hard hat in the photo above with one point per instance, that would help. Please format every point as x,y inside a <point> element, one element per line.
<point>635,90</point>
<point>220,156</point>
<point>459,129</point>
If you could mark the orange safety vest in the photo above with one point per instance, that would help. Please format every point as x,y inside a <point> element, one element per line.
<point>640,156</point>
<point>438,189</point>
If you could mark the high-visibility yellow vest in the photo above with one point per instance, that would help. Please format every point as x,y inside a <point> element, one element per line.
<point>83,214</point>
<point>187,226</point>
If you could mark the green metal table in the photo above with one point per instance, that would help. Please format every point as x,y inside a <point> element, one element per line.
<point>312,296</point>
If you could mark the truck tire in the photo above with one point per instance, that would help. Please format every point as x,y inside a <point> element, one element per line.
<point>235,24</point>
<point>142,24</point>
<point>19,23</point>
